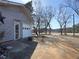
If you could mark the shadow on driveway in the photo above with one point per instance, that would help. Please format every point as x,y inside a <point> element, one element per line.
<point>21,49</point>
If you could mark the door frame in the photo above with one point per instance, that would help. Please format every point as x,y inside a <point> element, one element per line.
<point>16,23</point>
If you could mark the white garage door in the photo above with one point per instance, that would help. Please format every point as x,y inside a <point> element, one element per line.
<point>27,32</point>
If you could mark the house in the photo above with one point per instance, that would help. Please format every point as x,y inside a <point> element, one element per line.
<point>17,21</point>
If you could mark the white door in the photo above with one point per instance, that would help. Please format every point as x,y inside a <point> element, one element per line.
<point>16,30</point>
<point>26,31</point>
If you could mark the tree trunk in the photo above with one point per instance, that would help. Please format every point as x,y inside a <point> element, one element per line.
<point>49,29</point>
<point>45,30</point>
<point>39,31</point>
<point>65,33</point>
<point>39,27</point>
<point>35,31</point>
<point>61,30</point>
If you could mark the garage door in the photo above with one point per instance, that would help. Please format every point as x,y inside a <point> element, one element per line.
<point>27,32</point>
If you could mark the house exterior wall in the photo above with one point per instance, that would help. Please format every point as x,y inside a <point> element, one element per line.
<point>12,15</point>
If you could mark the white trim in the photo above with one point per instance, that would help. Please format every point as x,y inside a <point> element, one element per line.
<point>14,30</point>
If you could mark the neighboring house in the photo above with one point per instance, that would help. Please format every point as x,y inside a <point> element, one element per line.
<point>17,22</point>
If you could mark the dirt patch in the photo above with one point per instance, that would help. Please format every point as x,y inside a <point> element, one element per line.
<point>57,50</point>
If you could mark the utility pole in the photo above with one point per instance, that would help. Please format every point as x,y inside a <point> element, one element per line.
<point>73,25</point>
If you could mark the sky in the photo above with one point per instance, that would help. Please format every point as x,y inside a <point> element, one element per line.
<point>20,1</point>
<point>55,4</point>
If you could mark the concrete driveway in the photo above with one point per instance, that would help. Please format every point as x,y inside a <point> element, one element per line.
<point>20,49</point>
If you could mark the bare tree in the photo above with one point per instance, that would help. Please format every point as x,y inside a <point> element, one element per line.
<point>73,4</point>
<point>37,13</point>
<point>42,16</point>
<point>48,16</point>
<point>63,18</point>
<point>60,19</point>
<point>66,17</point>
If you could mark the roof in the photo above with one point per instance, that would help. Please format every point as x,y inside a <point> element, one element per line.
<point>10,2</point>
<point>29,6</point>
